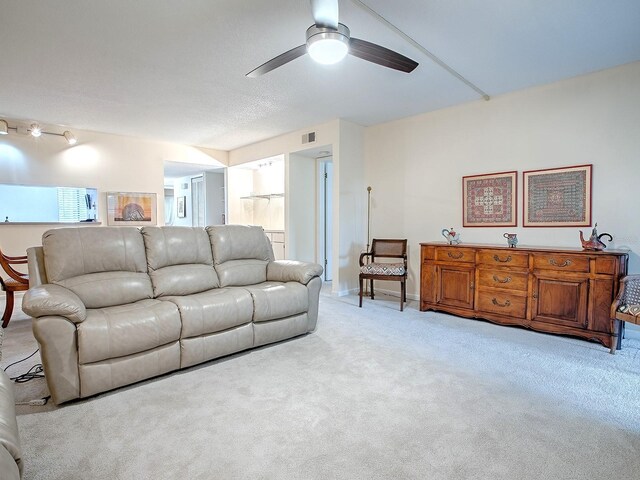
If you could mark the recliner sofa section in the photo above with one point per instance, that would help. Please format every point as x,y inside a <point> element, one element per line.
<point>116,305</point>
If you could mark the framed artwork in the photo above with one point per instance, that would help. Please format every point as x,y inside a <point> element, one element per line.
<point>557,197</point>
<point>126,208</point>
<point>182,207</point>
<point>490,200</point>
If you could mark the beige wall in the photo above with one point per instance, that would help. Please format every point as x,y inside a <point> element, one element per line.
<point>415,165</point>
<point>102,161</point>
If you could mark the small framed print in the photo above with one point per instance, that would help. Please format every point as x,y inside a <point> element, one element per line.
<point>181,207</point>
<point>490,200</point>
<point>126,208</point>
<point>557,197</point>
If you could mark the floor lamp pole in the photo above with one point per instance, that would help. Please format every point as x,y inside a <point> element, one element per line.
<point>366,284</point>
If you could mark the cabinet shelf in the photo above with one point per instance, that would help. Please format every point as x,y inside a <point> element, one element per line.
<point>266,196</point>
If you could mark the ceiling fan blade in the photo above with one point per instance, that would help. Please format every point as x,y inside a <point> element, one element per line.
<point>278,61</point>
<point>325,13</point>
<point>380,55</point>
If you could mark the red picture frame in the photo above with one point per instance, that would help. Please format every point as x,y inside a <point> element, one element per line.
<point>557,197</point>
<point>490,200</point>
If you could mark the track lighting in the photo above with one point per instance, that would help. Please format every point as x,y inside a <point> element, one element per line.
<point>70,137</point>
<point>35,130</point>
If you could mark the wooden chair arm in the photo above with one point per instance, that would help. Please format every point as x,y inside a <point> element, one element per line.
<point>6,263</point>
<point>624,281</point>
<point>362,255</point>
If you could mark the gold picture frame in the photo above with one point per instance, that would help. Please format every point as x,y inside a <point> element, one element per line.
<point>131,209</point>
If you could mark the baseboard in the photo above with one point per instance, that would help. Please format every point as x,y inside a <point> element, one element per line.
<point>394,293</point>
<point>344,293</point>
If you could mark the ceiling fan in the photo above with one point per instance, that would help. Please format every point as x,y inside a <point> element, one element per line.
<point>329,42</point>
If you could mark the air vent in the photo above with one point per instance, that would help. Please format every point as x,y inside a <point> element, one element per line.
<point>309,137</point>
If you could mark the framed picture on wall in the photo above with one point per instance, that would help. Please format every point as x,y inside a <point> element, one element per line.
<point>128,208</point>
<point>557,197</point>
<point>181,208</point>
<point>490,200</point>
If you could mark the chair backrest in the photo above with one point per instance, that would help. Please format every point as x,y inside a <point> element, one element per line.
<point>6,262</point>
<point>390,248</point>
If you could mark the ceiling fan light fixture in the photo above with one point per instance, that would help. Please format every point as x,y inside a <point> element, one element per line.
<point>327,45</point>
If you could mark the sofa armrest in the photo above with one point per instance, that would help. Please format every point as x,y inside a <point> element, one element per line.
<point>10,449</point>
<point>292,271</point>
<point>50,299</point>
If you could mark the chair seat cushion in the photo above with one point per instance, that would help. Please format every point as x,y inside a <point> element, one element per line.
<point>383,269</point>
<point>213,311</point>
<point>633,310</point>
<point>113,332</point>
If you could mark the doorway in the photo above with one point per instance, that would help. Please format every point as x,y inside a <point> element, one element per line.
<point>325,215</point>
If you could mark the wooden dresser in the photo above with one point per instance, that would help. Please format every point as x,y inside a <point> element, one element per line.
<point>555,290</point>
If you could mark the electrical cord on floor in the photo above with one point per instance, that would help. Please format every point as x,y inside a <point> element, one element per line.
<point>34,372</point>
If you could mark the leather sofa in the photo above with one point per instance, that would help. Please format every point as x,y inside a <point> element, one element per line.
<point>115,305</point>
<point>10,451</point>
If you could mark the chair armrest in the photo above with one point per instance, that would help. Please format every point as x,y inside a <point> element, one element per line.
<point>362,255</point>
<point>50,299</point>
<point>292,271</point>
<point>627,282</point>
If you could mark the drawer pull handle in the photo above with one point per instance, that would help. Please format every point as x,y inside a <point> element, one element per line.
<point>499,280</point>
<point>498,304</point>
<point>498,259</point>
<point>455,256</point>
<point>553,262</point>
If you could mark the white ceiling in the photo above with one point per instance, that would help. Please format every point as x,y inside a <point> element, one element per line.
<point>174,70</point>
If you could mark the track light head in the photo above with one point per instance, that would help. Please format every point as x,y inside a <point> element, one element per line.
<point>4,127</point>
<point>70,137</point>
<point>36,131</point>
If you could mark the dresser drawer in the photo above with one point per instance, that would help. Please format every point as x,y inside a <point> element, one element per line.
<point>558,261</point>
<point>453,254</point>
<point>503,279</point>
<point>502,303</point>
<point>505,258</point>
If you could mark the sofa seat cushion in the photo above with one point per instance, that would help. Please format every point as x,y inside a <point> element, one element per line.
<point>213,311</point>
<point>272,300</point>
<point>113,332</point>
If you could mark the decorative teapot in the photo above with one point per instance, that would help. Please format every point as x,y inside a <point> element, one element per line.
<point>594,242</point>
<point>453,238</point>
<point>512,239</point>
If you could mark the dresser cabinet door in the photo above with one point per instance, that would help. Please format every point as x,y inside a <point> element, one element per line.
<point>455,286</point>
<point>561,301</point>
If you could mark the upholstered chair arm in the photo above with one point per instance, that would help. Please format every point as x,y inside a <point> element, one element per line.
<point>50,299</point>
<point>292,271</point>
<point>362,256</point>
<point>628,293</point>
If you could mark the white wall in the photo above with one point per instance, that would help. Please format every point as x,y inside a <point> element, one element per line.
<point>345,140</point>
<point>102,161</point>
<point>182,188</point>
<point>415,165</point>
<point>349,203</point>
<point>302,208</point>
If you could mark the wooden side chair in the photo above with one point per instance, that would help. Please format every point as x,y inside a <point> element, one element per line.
<point>16,282</point>
<point>626,307</point>
<point>374,270</point>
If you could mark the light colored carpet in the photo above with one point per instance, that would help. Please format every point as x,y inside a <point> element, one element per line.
<point>373,394</point>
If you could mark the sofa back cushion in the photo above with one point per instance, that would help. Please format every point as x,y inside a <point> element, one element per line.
<point>179,260</point>
<point>104,266</point>
<point>240,254</point>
